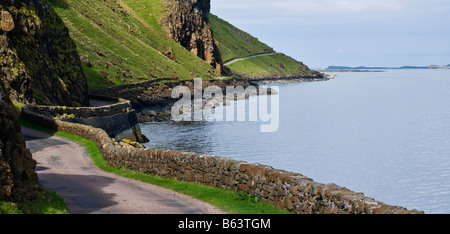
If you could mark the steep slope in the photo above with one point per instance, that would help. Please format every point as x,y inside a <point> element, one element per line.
<point>38,60</point>
<point>235,44</point>
<point>187,22</point>
<point>273,66</point>
<point>121,41</point>
<point>17,168</point>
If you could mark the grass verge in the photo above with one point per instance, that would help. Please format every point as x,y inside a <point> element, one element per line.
<point>228,201</point>
<point>46,202</point>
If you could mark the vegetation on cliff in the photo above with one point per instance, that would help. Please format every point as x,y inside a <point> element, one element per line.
<point>272,66</point>
<point>235,44</point>
<point>121,41</point>
<point>125,41</point>
<point>187,23</point>
<point>38,60</point>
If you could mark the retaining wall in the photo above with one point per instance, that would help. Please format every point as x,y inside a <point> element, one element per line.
<point>119,120</point>
<point>122,106</point>
<point>284,189</point>
<point>114,90</point>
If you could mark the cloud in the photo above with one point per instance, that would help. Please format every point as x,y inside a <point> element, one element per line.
<point>337,6</point>
<point>310,6</point>
<point>338,51</point>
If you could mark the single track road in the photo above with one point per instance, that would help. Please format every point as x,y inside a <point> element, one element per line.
<point>65,167</point>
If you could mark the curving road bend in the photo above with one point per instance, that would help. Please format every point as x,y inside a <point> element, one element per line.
<point>254,56</point>
<point>65,167</point>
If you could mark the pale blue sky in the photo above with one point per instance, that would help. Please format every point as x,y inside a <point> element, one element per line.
<point>347,32</point>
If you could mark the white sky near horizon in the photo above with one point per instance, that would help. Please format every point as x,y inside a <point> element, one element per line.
<point>347,32</point>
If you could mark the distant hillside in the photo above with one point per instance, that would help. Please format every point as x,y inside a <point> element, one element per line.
<point>402,67</point>
<point>235,44</point>
<point>272,66</point>
<point>121,41</point>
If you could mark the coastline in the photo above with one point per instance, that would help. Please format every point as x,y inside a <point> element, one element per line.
<point>291,191</point>
<point>349,70</point>
<point>152,99</point>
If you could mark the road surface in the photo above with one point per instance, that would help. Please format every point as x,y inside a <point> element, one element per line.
<point>65,167</point>
<point>240,59</point>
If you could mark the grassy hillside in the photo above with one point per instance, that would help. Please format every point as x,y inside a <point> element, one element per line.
<point>235,43</point>
<point>124,42</point>
<point>121,41</point>
<point>271,66</point>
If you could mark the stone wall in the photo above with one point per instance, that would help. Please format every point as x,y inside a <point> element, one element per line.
<point>117,91</point>
<point>284,189</point>
<point>123,106</point>
<point>118,120</point>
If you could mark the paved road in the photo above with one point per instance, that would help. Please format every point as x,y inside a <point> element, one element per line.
<point>240,59</point>
<point>65,167</point>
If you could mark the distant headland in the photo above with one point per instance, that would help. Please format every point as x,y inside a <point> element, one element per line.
<point>382,68</point>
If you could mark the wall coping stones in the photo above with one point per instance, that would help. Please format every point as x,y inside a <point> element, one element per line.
<point>122,106</point>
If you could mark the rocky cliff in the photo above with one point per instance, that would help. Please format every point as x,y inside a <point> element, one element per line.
<point>17,167</point>
<point>187,22</point>
<point>39,61</point>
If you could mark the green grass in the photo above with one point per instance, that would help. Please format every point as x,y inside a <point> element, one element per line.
<point>50,203</point>
<point>270,66</point>
<point>119,55</point>
<point>9,208</point>
<point>100,28</point>
<point>18,106</point>
<point>228,201</point>
<point>235,43</point>
<point>47,202</point>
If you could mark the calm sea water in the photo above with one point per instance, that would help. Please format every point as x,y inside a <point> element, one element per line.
<point>386,134</point>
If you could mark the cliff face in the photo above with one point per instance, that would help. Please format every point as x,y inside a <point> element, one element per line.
<point>187,22</point>
<point>39,62</point>
<point>17,167</point>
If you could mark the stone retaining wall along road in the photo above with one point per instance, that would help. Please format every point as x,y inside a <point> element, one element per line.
<point>118,119</point>
<point>288,190</point>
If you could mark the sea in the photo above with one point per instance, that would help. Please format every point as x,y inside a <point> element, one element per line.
<point>385,134</point>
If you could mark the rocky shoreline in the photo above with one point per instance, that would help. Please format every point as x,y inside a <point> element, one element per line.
<point>157,107</point>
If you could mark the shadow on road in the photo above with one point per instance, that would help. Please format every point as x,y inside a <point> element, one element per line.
<point>83,194</point>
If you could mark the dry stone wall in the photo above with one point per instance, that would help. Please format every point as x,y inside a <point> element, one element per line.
<point>83,112</point>
<point>288,190</point>
<point>119,120</point>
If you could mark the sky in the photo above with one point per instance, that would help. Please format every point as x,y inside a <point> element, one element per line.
<point>323,33</point>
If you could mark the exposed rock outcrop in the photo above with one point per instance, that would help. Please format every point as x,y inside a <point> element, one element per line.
<point>39,62</point>
<point>17,167</point>
<point>188,24</point>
